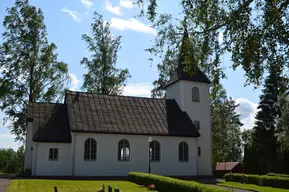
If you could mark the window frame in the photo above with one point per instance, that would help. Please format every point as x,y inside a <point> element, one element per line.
<point>183,152</point>
<point>123,144</point>
<point>55,154</point>
<point>155,151</point>
<point>91,141</point>
<point>197,125</point>
<point>195,92</point>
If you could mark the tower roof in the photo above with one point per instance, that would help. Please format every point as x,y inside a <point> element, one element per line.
<point>180,73</point>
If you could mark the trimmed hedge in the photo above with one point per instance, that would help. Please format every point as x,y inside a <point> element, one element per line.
<point>278,174</point>
<point>168,184</point>
<point>265,180</point>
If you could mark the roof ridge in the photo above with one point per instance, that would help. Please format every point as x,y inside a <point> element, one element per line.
<point>69,91</point>
<point>43,102</point>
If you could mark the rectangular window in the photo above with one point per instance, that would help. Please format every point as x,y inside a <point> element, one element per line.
<point>53,154</point>
<point>197,124</point>
<point>199,151</point>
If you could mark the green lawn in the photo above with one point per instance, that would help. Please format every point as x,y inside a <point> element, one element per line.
<point>26,185</point>
<point>252,187</point>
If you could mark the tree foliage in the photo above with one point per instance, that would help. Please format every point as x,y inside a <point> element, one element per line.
<point>265,125</point>
<point>282,128</point>
<point>226,133</point>
<point>29,67</point>
<point>102,76</point>
<point>254,32</point>
<point>11,161</point>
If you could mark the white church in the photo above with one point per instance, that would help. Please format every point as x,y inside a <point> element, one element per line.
<point>101,135</point>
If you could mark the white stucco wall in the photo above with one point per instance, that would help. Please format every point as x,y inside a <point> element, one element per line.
<point>43,167</point>
<point>197,111</point>
<point>107,163</point>
<point>28,146</point>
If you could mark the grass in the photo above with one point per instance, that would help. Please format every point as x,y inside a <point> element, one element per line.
<point>29,185</point>
<point>252,187</point>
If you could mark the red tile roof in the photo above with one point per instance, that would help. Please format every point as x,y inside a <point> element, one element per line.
<point>225,166</point>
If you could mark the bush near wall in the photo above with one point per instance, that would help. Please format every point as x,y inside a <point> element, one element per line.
<point>265,180</point>
<point>167,184</point>
<point>278,174</point>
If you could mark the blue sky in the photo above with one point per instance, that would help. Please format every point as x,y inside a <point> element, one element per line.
<point>67,20</point>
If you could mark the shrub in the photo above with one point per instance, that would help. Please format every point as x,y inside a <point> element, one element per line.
<point>167,184</point>
<point>254,179</point>
<point>276,181</point>
<point>277,174</point>
<point>271,181</point>
<point>235,177</point>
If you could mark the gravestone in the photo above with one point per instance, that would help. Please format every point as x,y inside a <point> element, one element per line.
<point>109,188</point>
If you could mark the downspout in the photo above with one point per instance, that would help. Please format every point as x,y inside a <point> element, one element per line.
<point>211,138</point>
<point>34,159</point>
<point>72,156</point>
<point>197,158</point>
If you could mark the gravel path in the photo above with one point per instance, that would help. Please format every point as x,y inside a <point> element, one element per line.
<point>4,183</point>
<point>234,189</point>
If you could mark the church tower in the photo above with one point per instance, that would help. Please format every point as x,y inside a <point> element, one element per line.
<point>191,92</point>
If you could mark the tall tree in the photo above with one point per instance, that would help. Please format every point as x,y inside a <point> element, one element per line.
<point>282,131</point>
<point>252,31</point>
<point>102,76</point>
<point>282,128</point>
<point>29,67</point>
<point>265,126</point>
<point>250,159</point>
<point>12,161</point>
<point>226,133</point>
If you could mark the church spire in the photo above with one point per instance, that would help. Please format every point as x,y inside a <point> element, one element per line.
<point>184,47</point>
<point>186,54</point>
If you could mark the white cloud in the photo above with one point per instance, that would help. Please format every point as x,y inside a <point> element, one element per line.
<point>73,14</point>
<point>7,141</point>
<point>87,3</point>
<point>131,24</point>
<point>110,8</point>
<point>126,4</point>
<point>247,111</point>
<point>74,82</point>
<point>138,89</point>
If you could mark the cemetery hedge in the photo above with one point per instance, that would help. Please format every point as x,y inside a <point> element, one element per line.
<point>168,184</point>
<point>264,180</point>
<point>278,174</point>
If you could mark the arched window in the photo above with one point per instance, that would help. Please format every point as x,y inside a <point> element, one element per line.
<point>183,151</point>
<point>123,150</point>
<point>90,149</point>
<point>155,151</point>
<point>195,94</point>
